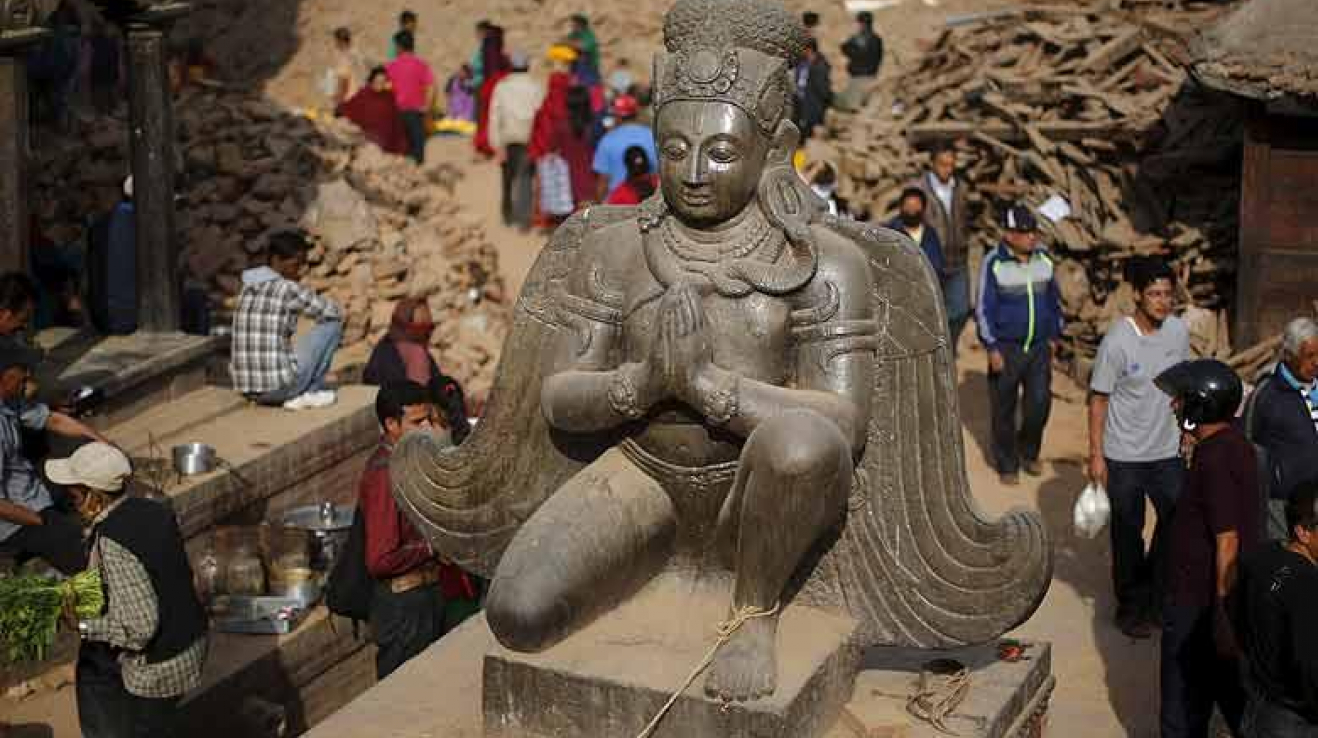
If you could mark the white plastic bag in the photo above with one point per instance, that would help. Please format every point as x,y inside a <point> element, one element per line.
<point>1091,511</point>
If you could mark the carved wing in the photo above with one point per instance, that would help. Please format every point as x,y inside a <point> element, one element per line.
<point>917,563</point>
<point>470,500</point>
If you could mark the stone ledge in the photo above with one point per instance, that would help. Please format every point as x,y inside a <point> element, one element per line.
<point>267,450</point>
<point>134,372</point>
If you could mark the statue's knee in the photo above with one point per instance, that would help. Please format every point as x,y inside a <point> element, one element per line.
<point>802,444</point>
<point>523,615</point>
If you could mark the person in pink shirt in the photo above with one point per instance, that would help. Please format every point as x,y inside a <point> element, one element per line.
<point>414,91</point>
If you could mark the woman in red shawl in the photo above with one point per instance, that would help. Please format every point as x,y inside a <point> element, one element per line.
<point>565,126</point>
<point>404,353</point>
<point>495,66</point>
<point>374,111</point>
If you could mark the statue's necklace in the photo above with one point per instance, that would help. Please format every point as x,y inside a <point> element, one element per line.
<point>745,239</point>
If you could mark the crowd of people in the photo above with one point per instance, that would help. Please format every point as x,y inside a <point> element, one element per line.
<point>563,136</point>
<point>1228,577</point>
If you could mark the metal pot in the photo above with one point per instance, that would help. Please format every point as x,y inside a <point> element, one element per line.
<point>327,527</point>
<point>194,458</point>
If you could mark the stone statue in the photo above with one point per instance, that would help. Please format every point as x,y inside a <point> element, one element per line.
<point>725,381</point>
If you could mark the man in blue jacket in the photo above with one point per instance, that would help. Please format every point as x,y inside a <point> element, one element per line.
<point>910,220</point>
<point>1019,315</point>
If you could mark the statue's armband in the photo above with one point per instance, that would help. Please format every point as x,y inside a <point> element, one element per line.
<point>823,332</point>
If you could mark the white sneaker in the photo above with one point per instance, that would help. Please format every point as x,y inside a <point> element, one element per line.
<point>301,402</point>
<point>322,398</point>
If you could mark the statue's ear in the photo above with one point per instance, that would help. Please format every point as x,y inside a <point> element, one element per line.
<point>782,147</point>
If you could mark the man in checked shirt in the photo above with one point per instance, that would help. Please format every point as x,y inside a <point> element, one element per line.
<point>147,649</point>
<point>268,366</point>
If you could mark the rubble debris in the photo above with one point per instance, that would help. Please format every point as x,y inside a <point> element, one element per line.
<point>1088,106</point>
<point>384,228</point>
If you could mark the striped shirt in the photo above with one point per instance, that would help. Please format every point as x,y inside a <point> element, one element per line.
<point>130,621</point>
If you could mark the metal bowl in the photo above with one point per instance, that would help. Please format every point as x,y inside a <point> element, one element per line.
<point>193,458</point>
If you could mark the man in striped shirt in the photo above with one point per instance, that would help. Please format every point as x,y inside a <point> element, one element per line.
<point>1284,421</point>
<point>1019,315</point>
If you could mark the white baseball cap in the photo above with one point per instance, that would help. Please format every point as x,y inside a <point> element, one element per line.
<point>96,465</point>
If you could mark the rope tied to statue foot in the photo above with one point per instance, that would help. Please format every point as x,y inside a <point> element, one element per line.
<point>725,631</point>
<point>943,686</point>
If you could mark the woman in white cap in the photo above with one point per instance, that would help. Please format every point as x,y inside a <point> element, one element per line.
<point>134,664</point>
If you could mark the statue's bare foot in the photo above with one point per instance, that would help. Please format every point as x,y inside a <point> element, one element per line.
<point>746,667</point>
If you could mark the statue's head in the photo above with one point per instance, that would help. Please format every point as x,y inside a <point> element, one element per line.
<point>723,100</point>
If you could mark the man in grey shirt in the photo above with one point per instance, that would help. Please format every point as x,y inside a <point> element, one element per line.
<point>30,525</point>
<point>1134,440</point>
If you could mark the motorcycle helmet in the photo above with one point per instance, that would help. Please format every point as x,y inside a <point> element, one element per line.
<point>1209,391</point>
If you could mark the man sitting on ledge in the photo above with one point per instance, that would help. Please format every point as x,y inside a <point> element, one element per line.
<point>267,365</point>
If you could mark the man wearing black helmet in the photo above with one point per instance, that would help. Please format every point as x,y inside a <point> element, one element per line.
<point>1215,520</point>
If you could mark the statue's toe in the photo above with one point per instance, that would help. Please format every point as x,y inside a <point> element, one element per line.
<point>525,618</point>
<point>746,667</point>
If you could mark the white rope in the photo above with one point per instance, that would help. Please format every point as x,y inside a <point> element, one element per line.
<point>938,695</point>
<point>725,630</point>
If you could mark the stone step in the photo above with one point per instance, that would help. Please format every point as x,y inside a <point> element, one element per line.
<point>172,420</point>
<point>135,373</point>
<point>272,459</point>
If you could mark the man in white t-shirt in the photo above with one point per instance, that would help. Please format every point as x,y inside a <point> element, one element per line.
<point>1134,441</point>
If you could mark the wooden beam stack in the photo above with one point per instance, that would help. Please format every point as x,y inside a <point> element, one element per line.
<point>1088,102</point>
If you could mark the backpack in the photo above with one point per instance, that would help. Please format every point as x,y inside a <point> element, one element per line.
<point>349,589</point>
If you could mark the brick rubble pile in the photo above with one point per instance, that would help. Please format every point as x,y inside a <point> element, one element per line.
<point>1087,102</point>
<point>384,228</point>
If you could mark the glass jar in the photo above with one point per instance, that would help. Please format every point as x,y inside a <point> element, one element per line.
<point>208,575</point>
<point>239,553</point>
<point>245,574</point>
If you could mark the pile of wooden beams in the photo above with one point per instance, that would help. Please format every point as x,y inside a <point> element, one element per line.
<point>1088,103</point>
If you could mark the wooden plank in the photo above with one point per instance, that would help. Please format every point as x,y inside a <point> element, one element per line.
<point>1076,154</point>
<point>1114,51</point>
<point>1061,130</point>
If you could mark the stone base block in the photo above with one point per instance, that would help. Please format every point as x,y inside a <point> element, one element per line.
<point>439,694</point>
<point>609,680</point>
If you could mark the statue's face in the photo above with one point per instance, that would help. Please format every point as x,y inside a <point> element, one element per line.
<point>711,156</point>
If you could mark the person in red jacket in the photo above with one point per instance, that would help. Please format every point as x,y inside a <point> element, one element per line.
<point>407,607</point>
<point>640,183</point>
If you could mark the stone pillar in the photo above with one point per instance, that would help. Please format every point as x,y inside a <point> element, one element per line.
<point>13,164</point>
<point>151,146</point>
<point>17,34</point>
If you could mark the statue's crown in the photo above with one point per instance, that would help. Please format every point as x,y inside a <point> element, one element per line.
<point>736,51</point>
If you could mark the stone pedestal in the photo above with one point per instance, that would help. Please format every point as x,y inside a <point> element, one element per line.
<point>439,693</point>
<point>610,679</point>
